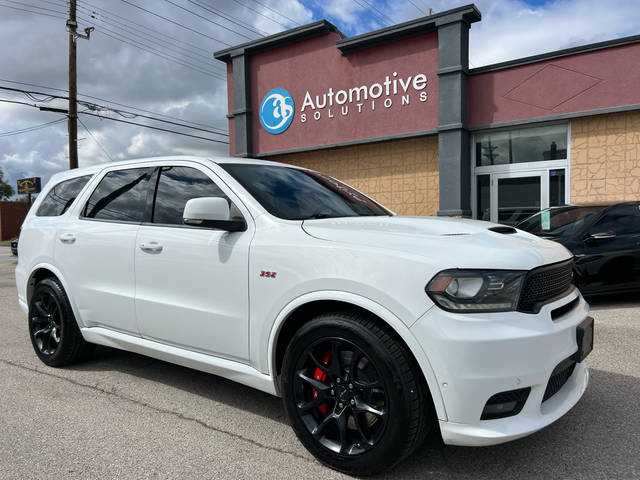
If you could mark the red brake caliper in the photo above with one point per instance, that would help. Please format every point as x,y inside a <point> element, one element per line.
<point>320,375</point>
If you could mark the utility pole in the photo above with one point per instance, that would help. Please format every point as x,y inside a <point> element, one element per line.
<point>72,24</point>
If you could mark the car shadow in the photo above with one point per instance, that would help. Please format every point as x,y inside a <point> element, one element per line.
<point>603,302</point>
<point>597,438</point>
<point>192,381</point>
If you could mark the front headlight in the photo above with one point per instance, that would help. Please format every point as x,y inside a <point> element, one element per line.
<point>472,291</point>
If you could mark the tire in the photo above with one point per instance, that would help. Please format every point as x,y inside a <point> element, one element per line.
<point>375,414</point>
<point>53,329</point>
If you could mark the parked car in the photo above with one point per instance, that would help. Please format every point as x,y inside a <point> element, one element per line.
<point>604,239</point>
<point>14,246</point>
<point>375,329</point>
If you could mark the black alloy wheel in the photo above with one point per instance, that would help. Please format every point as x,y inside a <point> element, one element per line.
<point>45,322</point>
<point>353,393</point>
<point>340,397</point>
<point>53,330</point>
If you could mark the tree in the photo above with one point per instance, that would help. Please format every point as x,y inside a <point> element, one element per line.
<point>6,190</point>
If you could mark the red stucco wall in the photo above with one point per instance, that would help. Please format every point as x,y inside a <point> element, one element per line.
<point>315,65</point>
<point>600,79</point>
<point>11,217</point>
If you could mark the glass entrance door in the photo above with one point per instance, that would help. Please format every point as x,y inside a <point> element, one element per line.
<point>518,195</point>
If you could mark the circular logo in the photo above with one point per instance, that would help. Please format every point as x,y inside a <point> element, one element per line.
<point>276,111</point>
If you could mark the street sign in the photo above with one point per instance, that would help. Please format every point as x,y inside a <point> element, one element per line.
<point>29,185</point>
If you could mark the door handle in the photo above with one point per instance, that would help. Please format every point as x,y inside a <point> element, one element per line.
<point>67,238</point>
<point>151,247</point>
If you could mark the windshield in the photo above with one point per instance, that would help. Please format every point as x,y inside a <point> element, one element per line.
<point>558,222</point>
<point>295,194</point>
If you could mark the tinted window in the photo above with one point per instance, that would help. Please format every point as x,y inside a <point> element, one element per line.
<point>176,186</point>
<point>61,196</point>
<point>534,144</point>
<point>295,194</point>
<point>121,195</point>
<point>623,220</point>
<point>559,222</point>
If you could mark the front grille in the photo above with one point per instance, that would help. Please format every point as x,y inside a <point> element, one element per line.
<point>559,377</point>
<point>543,284</point>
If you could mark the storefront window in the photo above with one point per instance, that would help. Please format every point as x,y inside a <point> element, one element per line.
<point>521,145</point>
<point>484,196</point>
<point>556,187</point>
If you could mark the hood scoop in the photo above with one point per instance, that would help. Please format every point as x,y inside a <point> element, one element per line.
<point>505,230</point>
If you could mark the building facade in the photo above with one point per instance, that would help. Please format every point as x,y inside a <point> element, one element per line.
<point>398,114</point>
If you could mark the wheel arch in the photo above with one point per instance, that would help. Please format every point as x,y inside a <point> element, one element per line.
<point>46,270</point>
<point>303,309</point>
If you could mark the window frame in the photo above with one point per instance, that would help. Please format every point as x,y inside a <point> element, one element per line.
<point>152,194</point>
<point>101,177</point>
<point>208,168</point>
<point>75,200</point>
<point>523,167</point>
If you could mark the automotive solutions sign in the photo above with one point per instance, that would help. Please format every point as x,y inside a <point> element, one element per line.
<point>277,109</point>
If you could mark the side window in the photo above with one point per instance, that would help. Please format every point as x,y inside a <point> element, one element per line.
<point>121,195</point>
<point>621,221</point>
<point>176,186</point>
<point>61,196</point>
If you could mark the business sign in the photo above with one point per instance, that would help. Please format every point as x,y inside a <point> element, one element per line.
<point>276,111</point>
<point>277,108</point>
<point>381,95</point>
<point>29,185</point>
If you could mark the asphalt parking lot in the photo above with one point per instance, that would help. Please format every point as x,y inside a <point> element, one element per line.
<point>127,416</point>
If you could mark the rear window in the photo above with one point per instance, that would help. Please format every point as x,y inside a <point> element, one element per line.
<point>61,197</point>
<point>120,196</point>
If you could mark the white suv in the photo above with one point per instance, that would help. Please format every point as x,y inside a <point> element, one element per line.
<point>376,330</point>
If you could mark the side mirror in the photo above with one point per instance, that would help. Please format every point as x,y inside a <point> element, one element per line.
<point>594,237</point>
<point>211,212</point>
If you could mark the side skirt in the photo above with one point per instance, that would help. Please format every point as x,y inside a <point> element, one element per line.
<point>238,372</point>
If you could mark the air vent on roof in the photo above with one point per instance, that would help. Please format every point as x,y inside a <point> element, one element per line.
<point>503,229</point>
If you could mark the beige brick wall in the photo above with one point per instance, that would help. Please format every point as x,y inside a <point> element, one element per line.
<point>400,174</point>
<point>605,158</point>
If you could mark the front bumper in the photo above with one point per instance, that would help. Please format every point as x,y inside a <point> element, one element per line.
<point>475,356</point>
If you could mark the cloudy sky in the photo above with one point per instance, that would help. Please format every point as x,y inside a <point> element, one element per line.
<point>156,55</point>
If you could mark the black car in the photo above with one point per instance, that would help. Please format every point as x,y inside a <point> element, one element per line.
<point>14,246</point>
<point>604,239</point>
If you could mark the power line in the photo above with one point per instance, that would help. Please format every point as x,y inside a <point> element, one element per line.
<point>166,41</point>
<point>137,44</point>
<point>103,11</point>
<point>176,23</point>
<point>35,6</point>
<point>417,7</point>
<point>276,11</point>
<point>207,19</point>
<point>154,128</point>
<point>95,139</point>
<point>157,41</point>
<point>129,122</point>
<point>31,129</point>
<point>261,14</point>
<point>31,11</point>
<point>230,18</point>
<point>108,101</point>
<point>96,107</point>
<point>373,8</point>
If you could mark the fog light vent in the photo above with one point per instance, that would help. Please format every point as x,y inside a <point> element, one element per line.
<point>505,404</point>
